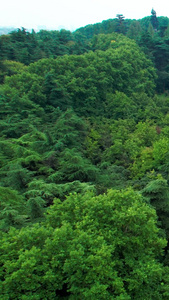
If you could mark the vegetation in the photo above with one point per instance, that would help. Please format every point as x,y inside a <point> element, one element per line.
<point>84,173</point>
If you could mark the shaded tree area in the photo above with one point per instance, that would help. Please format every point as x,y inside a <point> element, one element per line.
<point>27,47</point>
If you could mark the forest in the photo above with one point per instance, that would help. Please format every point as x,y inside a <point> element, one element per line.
<point>84,162</point>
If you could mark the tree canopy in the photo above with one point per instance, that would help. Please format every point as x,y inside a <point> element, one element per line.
<point>89,246</point>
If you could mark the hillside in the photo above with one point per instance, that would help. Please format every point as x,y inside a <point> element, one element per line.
<point>84,152</point>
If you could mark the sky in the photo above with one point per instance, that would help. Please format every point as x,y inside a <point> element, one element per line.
<point>72,14</point>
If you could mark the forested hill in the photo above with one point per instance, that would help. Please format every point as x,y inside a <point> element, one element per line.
<point>150,33</point>
<point>84,173</point>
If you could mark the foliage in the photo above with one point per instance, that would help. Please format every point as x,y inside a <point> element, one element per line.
<point>81,113</point>
<point>158,193</point>
<point>13,212</point>
<point>103,247</point>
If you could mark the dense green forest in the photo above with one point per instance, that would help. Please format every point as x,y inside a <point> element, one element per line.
<point>84,171</point>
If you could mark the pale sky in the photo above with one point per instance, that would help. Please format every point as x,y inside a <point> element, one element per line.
<point>72,14</point>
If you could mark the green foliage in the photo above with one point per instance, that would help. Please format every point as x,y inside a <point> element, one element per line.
<point>149,32</point>
<point>103,247</point>
<point>120,106</point>
<point>72,166</point>
<point>84,82</point>
<point>112,176</point>
<point>81,117</point>
<point>27,47</point>
<point>160,151</point>
<point>157,192</point>
<point>35,207</point>
<point>12,209</point>
<point>134,30</point>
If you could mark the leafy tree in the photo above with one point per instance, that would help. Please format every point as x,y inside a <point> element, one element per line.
<point>103,247</point>
<point>73,166</point>
<point>157,192</point>
<point>119,106</point>
<point>134,30</point>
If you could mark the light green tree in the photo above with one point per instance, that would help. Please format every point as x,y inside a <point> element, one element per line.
<point>89,247</point>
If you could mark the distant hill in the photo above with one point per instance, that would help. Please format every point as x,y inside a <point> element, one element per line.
<point>6,30</point>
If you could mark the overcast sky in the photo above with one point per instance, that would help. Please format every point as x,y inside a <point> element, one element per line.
<point>72,14</point>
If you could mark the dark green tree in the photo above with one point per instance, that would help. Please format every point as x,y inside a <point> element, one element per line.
<point>157,192</point>
<point>121,26</point>
<point>154,20</point>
